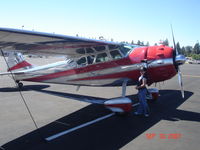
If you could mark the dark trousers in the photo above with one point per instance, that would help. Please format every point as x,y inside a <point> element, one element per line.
<point>143,107</point>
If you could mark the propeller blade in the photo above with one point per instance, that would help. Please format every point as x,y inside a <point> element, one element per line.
<point>174,40</point>
<point>175,55</point>
<point>180,82</point>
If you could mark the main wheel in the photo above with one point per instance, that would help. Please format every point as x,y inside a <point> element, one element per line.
<point>20,85</point>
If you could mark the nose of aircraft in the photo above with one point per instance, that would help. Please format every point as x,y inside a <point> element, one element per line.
<point>178,59</point>
<point>162,52</point>
<point>159,52</point>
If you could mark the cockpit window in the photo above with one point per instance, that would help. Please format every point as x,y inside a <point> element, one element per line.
<point>125,49</point>
<point>89,50</point>
<point>99,48</point>
<point>80,51</point>
<point>102,57</point>
<point>111,47</point>
<point>115,54</point>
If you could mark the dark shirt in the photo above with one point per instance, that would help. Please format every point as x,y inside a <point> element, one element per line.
<point>140,81</point>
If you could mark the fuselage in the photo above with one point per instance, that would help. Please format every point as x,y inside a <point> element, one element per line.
<point>107,68</point>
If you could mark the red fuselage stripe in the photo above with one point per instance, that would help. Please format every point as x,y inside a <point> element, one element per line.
<point>126,74</point>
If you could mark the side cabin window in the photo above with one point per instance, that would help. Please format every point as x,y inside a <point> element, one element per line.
<point>90,59</point>
<point>71,63</point>
<point>102,57</point>
<point>82,61</point>
<point>115,54</point>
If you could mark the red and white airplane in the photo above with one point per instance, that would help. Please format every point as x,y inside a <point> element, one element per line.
<point>89,62</point>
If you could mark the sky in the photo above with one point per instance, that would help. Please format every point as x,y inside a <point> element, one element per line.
<point>121,20</point>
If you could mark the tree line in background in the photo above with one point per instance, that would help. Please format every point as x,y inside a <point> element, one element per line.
<point>188,51</point>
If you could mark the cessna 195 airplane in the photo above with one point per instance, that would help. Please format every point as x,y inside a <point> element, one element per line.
<point>88,62</point>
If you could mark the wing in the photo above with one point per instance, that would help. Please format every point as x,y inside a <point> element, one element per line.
<point>50,44</point>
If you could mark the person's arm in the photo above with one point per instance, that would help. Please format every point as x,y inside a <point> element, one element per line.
<point>144,82</point>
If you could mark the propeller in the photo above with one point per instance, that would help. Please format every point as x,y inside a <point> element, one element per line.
<point>178,60</point>
<point>180,82</point>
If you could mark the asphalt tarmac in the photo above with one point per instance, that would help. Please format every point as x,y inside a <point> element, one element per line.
<point>174,123</point>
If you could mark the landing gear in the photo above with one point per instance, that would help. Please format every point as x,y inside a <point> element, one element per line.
<point>20,84</point>
<point>124,84</point>
<point>121,106</point>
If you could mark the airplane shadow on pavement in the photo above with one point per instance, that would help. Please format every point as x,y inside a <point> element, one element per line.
<point>25,88</point>
<point>111,133</point>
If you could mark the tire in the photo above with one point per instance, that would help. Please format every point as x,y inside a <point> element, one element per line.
<point>20,85</point>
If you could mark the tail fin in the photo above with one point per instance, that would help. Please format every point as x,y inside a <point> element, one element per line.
<point>17,62</point>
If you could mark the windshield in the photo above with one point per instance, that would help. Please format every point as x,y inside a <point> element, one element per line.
<point>126,49</point>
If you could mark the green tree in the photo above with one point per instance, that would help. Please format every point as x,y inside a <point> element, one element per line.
<point>195,56</point>
<point>179,48</point>
<point>188,50</point>
<point>183,50</point>
<point>196,48</point>
<point>166,42</point>
<point>138,42</point>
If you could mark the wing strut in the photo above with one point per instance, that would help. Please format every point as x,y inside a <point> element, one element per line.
<point>124,84</point>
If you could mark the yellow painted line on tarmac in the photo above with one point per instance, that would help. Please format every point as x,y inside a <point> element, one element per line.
<point>191,76</point>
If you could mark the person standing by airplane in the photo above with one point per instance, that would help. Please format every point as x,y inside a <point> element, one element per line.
<point>143,108</point>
